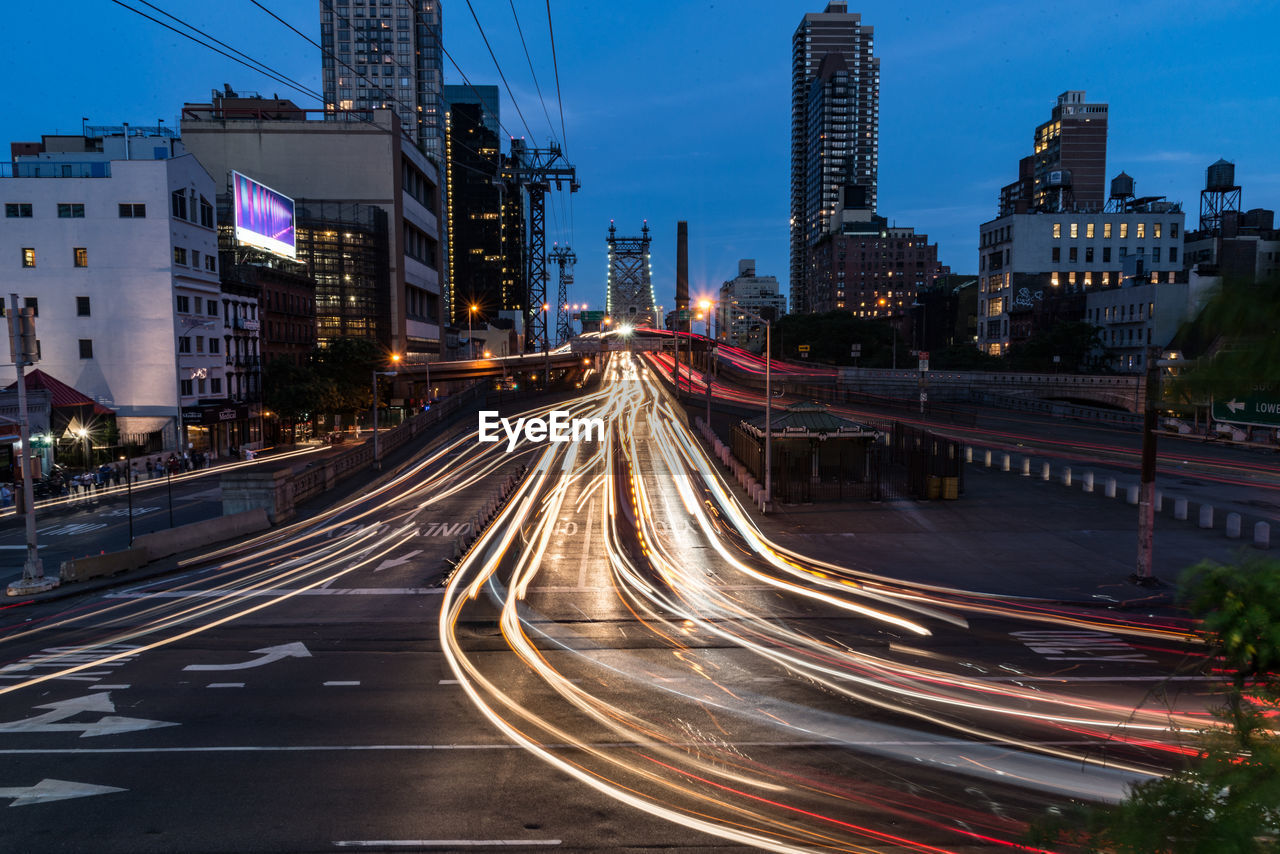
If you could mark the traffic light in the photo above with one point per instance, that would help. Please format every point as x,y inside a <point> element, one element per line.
<point>23,346</point>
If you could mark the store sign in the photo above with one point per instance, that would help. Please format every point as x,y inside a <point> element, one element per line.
<point>216,414</point>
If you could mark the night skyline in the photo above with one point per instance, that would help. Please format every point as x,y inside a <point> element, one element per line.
<point>665,123</point>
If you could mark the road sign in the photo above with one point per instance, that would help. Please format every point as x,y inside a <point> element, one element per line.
<point>1260,409</point>
<point>855,350</point>
<point>924,397</point>
<point>803,348</point>
<point>924,360</point>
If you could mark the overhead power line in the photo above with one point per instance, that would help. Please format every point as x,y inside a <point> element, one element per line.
<point>498,66</point>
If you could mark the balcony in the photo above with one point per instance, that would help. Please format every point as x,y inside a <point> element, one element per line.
<point>56,169</point>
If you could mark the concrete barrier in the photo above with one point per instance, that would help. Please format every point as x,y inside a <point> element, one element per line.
<point>97,566</point>
<point>1233,526</point>
<point>1180,509</point>
<point>1110,490</point>
<point>1131,494</point>
<point>200,534</point>
<point>1066,476</point>
<point>1088,481</point>
<point>1206,515</point>
<point>1262,535</point>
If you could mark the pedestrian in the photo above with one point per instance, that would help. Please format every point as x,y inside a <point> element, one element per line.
<point>6,495</point>
<point>150,469</point>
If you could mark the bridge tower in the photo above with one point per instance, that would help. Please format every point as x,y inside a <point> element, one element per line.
<point>565,259</point>
<point>629,294</point>
<point>538,170</point>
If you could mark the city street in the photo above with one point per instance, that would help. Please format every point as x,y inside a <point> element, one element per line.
<point>622,661</point>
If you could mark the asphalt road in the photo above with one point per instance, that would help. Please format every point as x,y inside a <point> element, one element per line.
<point>619,664</point>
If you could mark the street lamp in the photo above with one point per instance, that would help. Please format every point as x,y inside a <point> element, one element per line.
<point>471,311</point>
<point>84,440</point>
<point>705,305</point>
<point>768,408</point>
<point>377,457</point>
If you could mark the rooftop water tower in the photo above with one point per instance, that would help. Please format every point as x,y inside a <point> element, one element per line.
<point>1220,194</point>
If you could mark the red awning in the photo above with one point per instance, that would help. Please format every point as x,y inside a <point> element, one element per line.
<point>61,394</point>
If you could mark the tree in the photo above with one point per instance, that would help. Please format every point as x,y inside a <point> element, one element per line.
<point>343,371</point>
<point>830,337</point>
<point>290,390</point>
<point>1234,342</point>
<point>1228,800</point>
<point>1077,345</point>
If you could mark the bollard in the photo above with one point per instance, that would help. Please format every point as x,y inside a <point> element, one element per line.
<point>1066,475</point>
<point>1088,481</point>
<point>1044,471</point>
<point>1180,508</point>
<point>1111,487</point>
<point>1159,501</point>
<point>986,458</point>
<point>1026,467</point>
<point>1131,494</point>
<point>1233,526</point>
<point>968,453</point>
<point>1206,515</point>
<point>1004,463</point>
<point>1262,535</point>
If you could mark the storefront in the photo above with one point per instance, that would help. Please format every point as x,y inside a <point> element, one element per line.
<point>222,429</point>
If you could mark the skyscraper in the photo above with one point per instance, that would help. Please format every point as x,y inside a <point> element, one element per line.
<point>1067,172</point>
<point>389,56</point>
<point>835,128</point>
<point>474,215</point>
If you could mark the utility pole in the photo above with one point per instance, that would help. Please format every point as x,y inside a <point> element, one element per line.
<point>22,344</point>
<point>1143,575</point>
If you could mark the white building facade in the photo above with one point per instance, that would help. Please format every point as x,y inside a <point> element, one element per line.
<point>1028,259</point>
<point>747,293</point>
<point>113,239</point>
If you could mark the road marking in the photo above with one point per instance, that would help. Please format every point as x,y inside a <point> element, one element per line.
<point>15,548</point>
<point>269,654</point>
<point>449,682</point>
<point>71,529</point>
<point>400,561</point>
<point>54,790</point>
<point>64,656</point>
<point>314,591</point>
<point>341,684</point>
<point>1057,645</point>
<point>225,685</point>
<point>107,687</point>
<point>53,720</point>
<point>345,748</point>
<point>442,843</point>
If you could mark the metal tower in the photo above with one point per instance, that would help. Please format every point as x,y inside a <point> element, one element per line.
<point>1220,194</point>
<point>630,289</point>
<point>565,258</point>
<point>536,169</point>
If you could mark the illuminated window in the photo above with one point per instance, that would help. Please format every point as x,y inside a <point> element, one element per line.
<point>1106,278</point>
<point>1075,230</point>
<point>28,257</point>
<point>1142,230</point>
<point>1155,230</point>
<point>1053,279</point>
<point>1088,231</point>
<point>1088,279</point>
<point>1106,231</point>
<point>1124,230</point>
<point>81,256</point>
<point>1071,278</point>
<point>1057,229</point>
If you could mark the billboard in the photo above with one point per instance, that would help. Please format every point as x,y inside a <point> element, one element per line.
<point>263,217</point>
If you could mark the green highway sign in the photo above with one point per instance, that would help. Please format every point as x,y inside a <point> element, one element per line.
<point>1261,409</point>
<point>591,316</point>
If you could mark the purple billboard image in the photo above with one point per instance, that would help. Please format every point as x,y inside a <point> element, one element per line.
<point>263,217</point>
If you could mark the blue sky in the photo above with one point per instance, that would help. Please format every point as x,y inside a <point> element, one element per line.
<point>680,110</point>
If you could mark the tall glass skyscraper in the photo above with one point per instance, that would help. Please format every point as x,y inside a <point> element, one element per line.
<point>387,53</point>
<point>835,129</point>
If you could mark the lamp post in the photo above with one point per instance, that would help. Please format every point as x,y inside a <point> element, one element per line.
<point>471,311</point>
<point>705,305</point>
<point>84,443</point>
<point>377,457</point>
<point>546,347</point>
<point>768,406</point>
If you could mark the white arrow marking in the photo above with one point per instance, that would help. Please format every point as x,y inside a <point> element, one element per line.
<point>1235,405</point>
<point>50,721</point>
<point>54,790</point>
<point>399,561</point>
<point>269,654</point>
